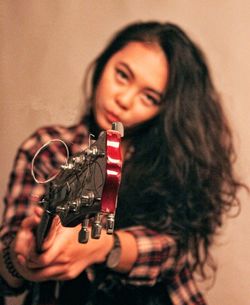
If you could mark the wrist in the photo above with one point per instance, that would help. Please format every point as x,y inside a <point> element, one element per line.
<point>114,255</point>
<point>100,249</point>
<point>8,270</point>
<point>129,252</point>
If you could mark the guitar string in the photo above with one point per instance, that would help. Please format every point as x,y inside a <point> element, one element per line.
<point>102,176</point>
<point>37,153</point>
<point>71,177</point>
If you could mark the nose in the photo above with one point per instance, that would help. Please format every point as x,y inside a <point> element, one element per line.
<point>126,98</point>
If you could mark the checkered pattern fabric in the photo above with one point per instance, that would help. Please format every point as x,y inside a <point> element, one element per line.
<point>157,252</point>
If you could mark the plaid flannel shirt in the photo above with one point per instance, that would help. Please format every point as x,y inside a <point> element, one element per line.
<point>157,252</point>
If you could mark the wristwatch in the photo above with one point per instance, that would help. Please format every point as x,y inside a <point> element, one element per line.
<point>114,255</point>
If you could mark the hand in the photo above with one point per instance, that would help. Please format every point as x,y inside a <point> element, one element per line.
<point>24,244</point>
<point>63,257</point>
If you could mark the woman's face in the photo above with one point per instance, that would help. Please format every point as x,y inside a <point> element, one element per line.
<point>131,85</point>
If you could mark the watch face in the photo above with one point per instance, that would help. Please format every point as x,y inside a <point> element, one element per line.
<point>114,258</point>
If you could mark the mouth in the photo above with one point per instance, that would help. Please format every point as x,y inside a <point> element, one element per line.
<point>111,117</point>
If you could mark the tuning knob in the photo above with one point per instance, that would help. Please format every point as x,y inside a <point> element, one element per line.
<point>93,151</point>
<point>118,127</point>
<point>83,235</point>
<point>96,227</point>
<point>110,223</point>
<point>87,199</point>
<point>67,166</point>
<point>61,209</point>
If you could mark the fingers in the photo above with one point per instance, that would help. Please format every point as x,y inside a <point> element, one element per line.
<point>60,271</point>
<point>47,257</point>
<point>54,229</point>
<point>43,274</point>
<point>56,271</point>
<point>31,222</point>
<point>24,246</point>
<point>21,259</point>
<point>61,251</point>
<point>24,243</point>
<point>38,211</point>
<point>41,261</point>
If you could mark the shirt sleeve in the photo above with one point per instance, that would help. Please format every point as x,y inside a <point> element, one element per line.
<point>22,191</point>
<point>19,200</point>
<point>6,290</point>
<point>157,257</point>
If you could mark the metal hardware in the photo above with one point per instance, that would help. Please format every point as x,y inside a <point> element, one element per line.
<point>96,227</point>
<point>118,127</point>
<point>83,235</point>
<point>110,223</point>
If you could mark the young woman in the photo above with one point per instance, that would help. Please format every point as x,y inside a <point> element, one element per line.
<point>177,180</point>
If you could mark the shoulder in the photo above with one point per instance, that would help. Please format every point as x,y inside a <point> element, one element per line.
<point>72,136</point>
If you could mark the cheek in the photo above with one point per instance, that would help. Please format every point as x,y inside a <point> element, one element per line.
<point>142,114</point>
<point>105,87</point>
<point>99,98</point>
<point>145,113</point>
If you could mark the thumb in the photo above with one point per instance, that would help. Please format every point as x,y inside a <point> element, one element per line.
<point>54,229</point>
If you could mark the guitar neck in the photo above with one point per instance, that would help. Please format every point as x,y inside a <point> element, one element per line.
<point>43,229</point>
<point>85,188</point>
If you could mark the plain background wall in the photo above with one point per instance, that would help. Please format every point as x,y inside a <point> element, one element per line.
<point>45,47</point>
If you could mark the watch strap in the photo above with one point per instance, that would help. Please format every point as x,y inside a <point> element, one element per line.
<point>113,258</point>
<point>117,243</point>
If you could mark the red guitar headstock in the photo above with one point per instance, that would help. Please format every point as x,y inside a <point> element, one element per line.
<point>86,188</point>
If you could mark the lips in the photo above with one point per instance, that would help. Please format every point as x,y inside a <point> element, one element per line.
<point>111,117</point>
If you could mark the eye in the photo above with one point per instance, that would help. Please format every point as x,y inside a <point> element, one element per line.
<point>121,75</point>
<point>150,100</point>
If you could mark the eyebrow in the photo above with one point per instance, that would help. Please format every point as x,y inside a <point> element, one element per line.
<point>133,76</point>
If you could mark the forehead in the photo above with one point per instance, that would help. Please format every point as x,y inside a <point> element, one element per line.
<point>147,61</point>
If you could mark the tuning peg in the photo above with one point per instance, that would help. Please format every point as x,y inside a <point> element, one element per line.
<point>74,205</point>
<point>118,126</point>
<point>73,162</point>
<point>87,199</point>
<point>78,159</point>
<point>61,209</point>
<point>83,235</point>
<point>110,223</point>
<point>94,152</point>
<point>67,166</point>
<point>96,227</point>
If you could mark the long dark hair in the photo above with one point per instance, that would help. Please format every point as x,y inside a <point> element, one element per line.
<point>180,179</point>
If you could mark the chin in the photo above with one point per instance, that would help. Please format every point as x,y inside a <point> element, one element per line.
<point>104,125</point>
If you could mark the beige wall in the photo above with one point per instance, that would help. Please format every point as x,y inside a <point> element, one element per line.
<point>45,47</point>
